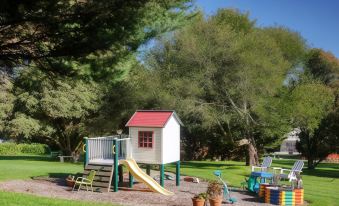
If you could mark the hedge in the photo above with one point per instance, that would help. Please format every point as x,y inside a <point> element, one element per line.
<point>18,149</point>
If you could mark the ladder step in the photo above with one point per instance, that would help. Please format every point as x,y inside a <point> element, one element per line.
<point>99,167</point>
<point>98,173</point>
<point>103,177</point>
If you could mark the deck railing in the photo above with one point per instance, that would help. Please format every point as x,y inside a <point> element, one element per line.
<point>102,148</point>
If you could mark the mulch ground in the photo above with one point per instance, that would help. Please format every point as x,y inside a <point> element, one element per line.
<point>55,188</point>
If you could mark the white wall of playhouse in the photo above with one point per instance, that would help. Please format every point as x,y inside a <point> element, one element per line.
<point>171,141</point>
<point>146,155</point>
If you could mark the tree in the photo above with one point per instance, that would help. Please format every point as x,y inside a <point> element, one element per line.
<point>309,103</point>
<point>323,66</point>
<point>6,99</point>
<point>291,44</point>
<point>220,73</point>
<point>67,55</point>
<point>53,109</point>
<point>39,30</point>
<point>323,140</point>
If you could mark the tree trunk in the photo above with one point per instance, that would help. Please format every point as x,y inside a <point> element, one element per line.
<point>251,147</point>
<point>310,162</point>
<point>309,152</point>
<point>69,147</point>
<point>252,155</point>
<point>247,159</point>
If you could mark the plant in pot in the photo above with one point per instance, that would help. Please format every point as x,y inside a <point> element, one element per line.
<point>214,193</point>
<point>199,200</point>
<point>70,181</point>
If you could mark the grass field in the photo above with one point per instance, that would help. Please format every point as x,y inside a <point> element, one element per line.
<point>321,185</point>
<point>26,167</point>
<point>15,199</point>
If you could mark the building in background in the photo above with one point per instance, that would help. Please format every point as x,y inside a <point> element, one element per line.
<point>289,145</point>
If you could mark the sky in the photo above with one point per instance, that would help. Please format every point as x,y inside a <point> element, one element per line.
<point>316,20</point>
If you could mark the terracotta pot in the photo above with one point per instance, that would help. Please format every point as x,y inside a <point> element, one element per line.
<point>70,183</point>
<point>198,202</point>
<point>216,201</point>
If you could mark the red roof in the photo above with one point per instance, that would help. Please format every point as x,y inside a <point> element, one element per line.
<point>149,119</point>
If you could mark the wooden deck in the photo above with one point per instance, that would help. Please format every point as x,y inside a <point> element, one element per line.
<point>102,162</point>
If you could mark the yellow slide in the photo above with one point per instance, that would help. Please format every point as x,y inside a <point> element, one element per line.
<point>141,176</point>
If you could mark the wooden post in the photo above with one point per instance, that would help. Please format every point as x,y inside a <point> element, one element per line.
<point>85,149</point>
<point>130,180</point>
<point>121,174</point>
<point>116,165</point>
<point>177,173</point>
<point>148,170</point>
<point>162,174</point>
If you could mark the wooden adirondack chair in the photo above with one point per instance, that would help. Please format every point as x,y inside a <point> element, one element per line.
<point>85,181</point>
<point>293,173</point>
<point>266,163</point>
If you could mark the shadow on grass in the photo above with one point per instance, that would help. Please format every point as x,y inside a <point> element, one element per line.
<point>328,170</point>
<point>57,178</point>
<point>28,157</point>
<point>36,158</point>
<point>205,164</point>
<point>322,173</point>
<point>289,164</point>
<point>63,175</point>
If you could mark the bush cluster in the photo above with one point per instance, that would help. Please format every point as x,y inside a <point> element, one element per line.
<point>18,149</point>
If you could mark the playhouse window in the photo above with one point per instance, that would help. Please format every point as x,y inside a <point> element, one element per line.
<point>145,139</point>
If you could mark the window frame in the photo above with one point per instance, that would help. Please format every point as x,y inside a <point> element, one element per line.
<point>141,139</point>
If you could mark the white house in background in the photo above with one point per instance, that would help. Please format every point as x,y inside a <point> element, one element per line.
<point>155,136</point>
<point>288,146</point>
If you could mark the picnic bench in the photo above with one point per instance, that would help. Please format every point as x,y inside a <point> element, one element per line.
<point>55,154</point>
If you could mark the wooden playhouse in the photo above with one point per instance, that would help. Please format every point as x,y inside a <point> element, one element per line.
<point>155,136</point>
<point>154,139</point>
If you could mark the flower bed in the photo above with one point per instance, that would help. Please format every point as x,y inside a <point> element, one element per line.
<point>333,158</point>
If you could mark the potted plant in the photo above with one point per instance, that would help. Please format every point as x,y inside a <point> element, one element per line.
<point>199,200</point>
<point>70,181</point>
<point>214,193</point>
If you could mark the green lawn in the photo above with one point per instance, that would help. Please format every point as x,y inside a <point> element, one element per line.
<point>26,167</point>
<point>321,185</point>
<point>17,199</point>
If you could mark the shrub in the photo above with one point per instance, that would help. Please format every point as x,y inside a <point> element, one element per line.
<point>214,190</point>
<point>8,149</point>
<point>202,196</point>
<point>18,149</point>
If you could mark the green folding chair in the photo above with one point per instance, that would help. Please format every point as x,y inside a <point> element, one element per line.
<point>85,181</point>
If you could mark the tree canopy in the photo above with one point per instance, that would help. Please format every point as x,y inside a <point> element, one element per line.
<point>43,29</point>
<point>60,58</point>
<point>56,111</point>
<point>69,69</point>
<point>321,109</point>
<point>221,72</point>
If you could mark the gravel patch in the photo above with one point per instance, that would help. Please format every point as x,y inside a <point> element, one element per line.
<point>140,195</point>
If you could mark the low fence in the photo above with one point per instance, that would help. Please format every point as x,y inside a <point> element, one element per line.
<point>103,148</point>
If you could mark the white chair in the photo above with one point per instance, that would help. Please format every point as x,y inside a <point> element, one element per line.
<point>266,163</point>
<point>292,174</point>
